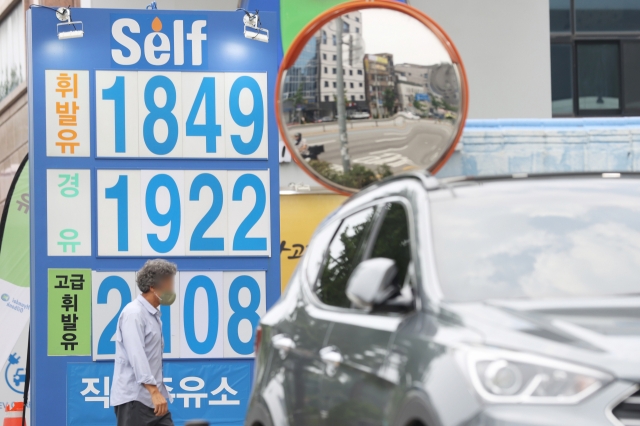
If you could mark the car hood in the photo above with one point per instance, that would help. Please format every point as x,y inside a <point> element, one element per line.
<point>603,333</point>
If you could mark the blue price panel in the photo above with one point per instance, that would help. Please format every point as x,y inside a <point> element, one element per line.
<point>213,316</point>
<point>213,390</point>
<point>163,122</point>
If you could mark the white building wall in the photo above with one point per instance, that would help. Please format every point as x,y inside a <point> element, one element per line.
<point>353,75</point>
<point>505,48</point>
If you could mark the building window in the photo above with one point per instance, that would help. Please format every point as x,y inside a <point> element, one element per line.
<point>560,15</point>
<point>326,70</point>
<point>326,83</point>
<point>595,57</point>
<point>345,27</point>
<point>359,84</point>
<point>598,76</point>
<point>361,96</point>
<point>353,98</point>
<point>359,72</point>
<point>324,37</point>
<point>334,39</point>
<point>357,19</point>
<point>561,80</point>
<point>350,72</point>
<point>326,98</point>
<point>12,51</point>
<point>607,15</point>
<point>351,85</point>
<point>334,84</point>
<point>324,56</point>
<point>630,67</point>
<point>334,71</point>
<point>335,57</point>
<point>357,29</point>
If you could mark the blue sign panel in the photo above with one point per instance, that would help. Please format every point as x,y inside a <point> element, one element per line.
<point>422,97</point>
<point>213,390</point>
<point>151,136</point>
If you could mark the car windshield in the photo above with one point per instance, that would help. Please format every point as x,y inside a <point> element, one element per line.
<point>573,237</point>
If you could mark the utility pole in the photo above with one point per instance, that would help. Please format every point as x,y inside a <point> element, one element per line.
<point>377,80</point>
<point>340,106</point>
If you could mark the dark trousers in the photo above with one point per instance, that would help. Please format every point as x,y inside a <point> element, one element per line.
<point>135,413</point>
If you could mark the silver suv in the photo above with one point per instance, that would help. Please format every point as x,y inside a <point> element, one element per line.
<point>476,302</point>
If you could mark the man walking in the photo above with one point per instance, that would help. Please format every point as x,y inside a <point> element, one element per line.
<point>138,392</point>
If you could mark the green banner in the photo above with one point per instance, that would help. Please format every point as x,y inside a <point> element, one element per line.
<point>69,312</point>
<point>14,252</point>
<point>15,297</point>
<point>293,17</point>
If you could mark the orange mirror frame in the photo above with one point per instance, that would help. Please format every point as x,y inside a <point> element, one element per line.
<point>315,25</point>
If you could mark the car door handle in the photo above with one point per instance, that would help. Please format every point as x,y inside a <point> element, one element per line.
<point>283,343</point>
<point>331,355</point>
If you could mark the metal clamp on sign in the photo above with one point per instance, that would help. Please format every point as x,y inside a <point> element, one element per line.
<point>252,29</point>
<point>64,14</point>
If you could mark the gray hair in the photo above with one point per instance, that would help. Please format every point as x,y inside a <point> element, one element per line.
<point>153,272</point>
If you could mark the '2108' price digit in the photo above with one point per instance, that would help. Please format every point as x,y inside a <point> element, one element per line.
<point>183,213</point>
<point>181,114</point>
<point>214,315</point>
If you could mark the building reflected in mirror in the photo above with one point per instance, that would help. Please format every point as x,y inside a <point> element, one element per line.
<point>428,89</point>
<point>311,89</point>
<point>380,84</point>
<point>352,68</point>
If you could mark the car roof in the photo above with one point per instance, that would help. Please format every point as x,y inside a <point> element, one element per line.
<point>431,182</point>
<point>525,176</point>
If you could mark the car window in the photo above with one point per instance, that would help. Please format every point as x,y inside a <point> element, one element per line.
<point>392,240</point>
<point>537,239</point>
<point>317,249</point>
<point>343,256</point>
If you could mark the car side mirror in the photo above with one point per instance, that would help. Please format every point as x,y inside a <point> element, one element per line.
<point>371,283</point>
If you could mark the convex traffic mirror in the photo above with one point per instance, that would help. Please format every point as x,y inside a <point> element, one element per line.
<point>369,90</point>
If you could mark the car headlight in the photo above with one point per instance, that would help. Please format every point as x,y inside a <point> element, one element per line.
<point>516,378</point>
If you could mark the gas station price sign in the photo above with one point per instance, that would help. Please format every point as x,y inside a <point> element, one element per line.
<point>152,136</point>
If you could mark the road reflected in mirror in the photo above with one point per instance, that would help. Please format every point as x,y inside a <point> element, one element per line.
<point>373,93</point>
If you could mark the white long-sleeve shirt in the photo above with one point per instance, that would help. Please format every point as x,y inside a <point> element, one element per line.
<point>138,361</point>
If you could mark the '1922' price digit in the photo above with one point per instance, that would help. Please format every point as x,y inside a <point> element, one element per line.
<point>215,213</point>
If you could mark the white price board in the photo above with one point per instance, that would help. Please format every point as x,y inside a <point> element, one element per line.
<point>181,114</point>
<point>119,213</point>
<point>111,292</point>
<point>206,216</point>
<point>114,138</point>
<point>244,305</point>
<point>157,213</point>
<point>214,315</point>
<point>201,334</point>
<point>249,218</point>
<point>203,110</point>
